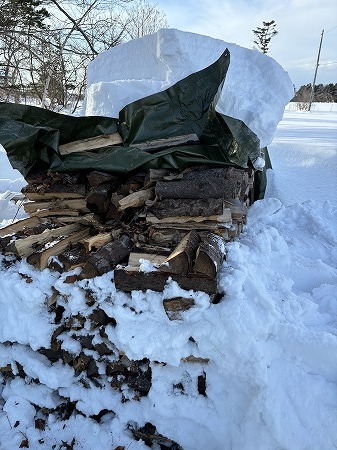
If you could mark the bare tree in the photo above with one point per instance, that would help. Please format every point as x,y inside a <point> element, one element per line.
<point>143,19</point>
<point>44,54</point>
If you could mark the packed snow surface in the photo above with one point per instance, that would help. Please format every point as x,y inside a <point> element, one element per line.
<point>255,91</point>
<point>271,379</point>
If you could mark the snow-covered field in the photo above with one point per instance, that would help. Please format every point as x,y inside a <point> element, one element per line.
<point>271,380</point>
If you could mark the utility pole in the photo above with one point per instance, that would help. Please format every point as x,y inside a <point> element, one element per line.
<point>317,64</point>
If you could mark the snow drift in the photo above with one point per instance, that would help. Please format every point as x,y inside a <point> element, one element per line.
<point>255,91</point>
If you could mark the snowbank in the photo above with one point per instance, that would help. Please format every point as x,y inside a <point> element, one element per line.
<point>256,89</point>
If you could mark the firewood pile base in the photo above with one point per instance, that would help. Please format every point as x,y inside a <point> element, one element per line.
<point>149,227</point>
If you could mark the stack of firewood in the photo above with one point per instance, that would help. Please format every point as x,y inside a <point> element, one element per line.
<point>158,224</point>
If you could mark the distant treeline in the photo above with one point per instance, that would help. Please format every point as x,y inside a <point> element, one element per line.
<point>322,93</point>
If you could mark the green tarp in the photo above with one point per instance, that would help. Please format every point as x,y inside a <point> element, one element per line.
<point>31,136</point>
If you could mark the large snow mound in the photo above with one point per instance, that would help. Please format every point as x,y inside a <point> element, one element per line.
<point>256,89</point>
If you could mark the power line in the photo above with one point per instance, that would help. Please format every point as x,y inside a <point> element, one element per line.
<point>331,29</point>
<point>328,64</point>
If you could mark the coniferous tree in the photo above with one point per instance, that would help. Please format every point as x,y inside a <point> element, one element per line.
<point>20,21</point>
<point>23,13</point>
<point>264,34</point>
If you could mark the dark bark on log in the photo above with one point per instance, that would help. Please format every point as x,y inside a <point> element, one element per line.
<point>70,259</point>
<point>187,207</point>
<point>47,179</point>
<point>107,257</point>
<point>210,255</point>
<point>223,173</point>
<point>33,192</point>
<point>224,183</point>
<point>196,189</point>
<point>4,243</point>
<point>134,183</point>
<point>166,237</point>
<point>95,178</point>
<point>99,198</point>
<point>129,280</point>
<point>175,306</point>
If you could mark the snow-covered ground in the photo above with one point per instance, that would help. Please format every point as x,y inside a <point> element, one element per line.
<point>271,379</point>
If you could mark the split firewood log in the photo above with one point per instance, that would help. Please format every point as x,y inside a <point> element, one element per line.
<point>160,144</point>
<point>210,255</point>
<point>135,259</point>
<point>53,191</point>
<point>174,307</point>
<point>20,225</point>
<point>70,213</point>
<point>181,259</point>
<point>203,184</point>
<point>132,279</point>
<point>96,177</point>
<point>77,204</point>
<point>224,217</point>
<point>82,145</point>
<point>107,257</point>
<point>187,207</point>
<point>97,241</point>
<point>136,199</point>
<point>99,198</point>
<point>26,246</point>
<point>40,259</point>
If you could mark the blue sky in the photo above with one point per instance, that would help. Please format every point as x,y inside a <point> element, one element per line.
<point>299,23</point>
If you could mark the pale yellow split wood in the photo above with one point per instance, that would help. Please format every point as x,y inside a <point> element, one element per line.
<point>225,217</point>
<point>30,222</point>
<point>97,241</point>
<point>155,259</point>
<point>25,246</point>
<point>135,199</point>
<point>61,246</point>
<point>83,145</point>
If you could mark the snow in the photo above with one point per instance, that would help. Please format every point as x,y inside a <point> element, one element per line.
<point>256,89</point>
<point>304,163</point>
<point>271,341</point>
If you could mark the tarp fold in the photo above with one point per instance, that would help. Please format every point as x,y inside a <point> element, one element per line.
<point>31,136</point>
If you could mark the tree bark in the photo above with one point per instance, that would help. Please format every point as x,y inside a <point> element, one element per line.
<point>107,257</point>
<point>187,207</point>
<point>227,183</point>
<point>129,280</point>
<point>210,255</point>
